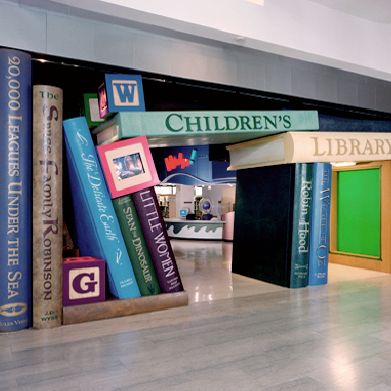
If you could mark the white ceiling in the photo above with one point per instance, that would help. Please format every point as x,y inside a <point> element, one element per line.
<point>374,10</point>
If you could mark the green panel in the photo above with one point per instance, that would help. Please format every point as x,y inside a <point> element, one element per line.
<point>358,212</point>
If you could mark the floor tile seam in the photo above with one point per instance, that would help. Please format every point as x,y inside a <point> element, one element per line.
<point>80,372</point>
<point>191,372</point>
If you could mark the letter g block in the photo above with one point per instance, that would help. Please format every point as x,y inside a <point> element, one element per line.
<point>83,280</point>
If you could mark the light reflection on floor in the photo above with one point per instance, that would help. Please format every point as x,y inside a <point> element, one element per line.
<point>205,268</point>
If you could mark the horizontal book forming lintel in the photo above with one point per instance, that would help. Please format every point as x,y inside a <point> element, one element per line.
<point>310,147</point>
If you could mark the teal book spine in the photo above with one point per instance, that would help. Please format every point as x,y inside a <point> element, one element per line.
<point>320,224</point>
<point>135,244</point>
<point>98,232</point>
<point>301,225</point>
<point>233,126</point>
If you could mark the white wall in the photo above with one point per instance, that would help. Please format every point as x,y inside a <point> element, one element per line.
<point>184,198</point>
<point>200,41</point>
<point>299,29</point>
<point>228,198</point>
<point>222,198</point>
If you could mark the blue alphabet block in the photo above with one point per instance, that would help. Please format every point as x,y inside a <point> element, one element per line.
<point>121,93</point>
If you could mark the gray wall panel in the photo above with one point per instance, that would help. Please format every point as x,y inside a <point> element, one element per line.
<point>150,54</point>
<point>383,96</point>
<point>305,81</point>
<point>60,33</point>
<point>366,93</point>
<point>348,89</point>
<point>22,27</point>
<point>278,74</point>
<point>327,84</point>
<point>251,73</point>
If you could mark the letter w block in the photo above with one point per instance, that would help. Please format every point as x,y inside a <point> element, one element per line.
<point>124,93</point>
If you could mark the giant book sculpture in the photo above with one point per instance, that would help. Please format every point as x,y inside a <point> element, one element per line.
<point>308,147</point>
<point>47,206</point>
<point>203,127</point>
<point>97,229</point>
<point>272,224</point>
<point>15,190</point>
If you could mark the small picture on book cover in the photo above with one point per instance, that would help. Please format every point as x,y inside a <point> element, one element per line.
<point>103,108</point>
<point>128,166</point>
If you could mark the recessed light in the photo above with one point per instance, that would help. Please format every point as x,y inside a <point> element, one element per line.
<point>257,2</point>
<point>343,164</point>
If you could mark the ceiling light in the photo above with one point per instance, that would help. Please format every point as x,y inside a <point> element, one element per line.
<point>258,2</point>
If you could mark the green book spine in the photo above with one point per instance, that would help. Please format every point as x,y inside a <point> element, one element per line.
<point>301,225</point>
<point>135,244</point>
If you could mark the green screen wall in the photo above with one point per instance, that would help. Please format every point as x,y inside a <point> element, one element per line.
<point>358,212</point>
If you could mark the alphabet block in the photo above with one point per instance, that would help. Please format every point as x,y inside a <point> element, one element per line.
<point>120,93</point>
<point>91,109</point>
<point>83,280</point>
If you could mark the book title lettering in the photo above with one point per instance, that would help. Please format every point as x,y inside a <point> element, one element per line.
<point>137,244</point>
<point>162,246</point>
<point>180,123</point>
<point>322,250</point>
<point>15,186</point>
<point>49,95</point>
<point>351,146</point>
<point>49,220</point>
<point>303,232</point>
<point>95,181</point>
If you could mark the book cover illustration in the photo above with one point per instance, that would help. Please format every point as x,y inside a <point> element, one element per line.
<point>128,166</point>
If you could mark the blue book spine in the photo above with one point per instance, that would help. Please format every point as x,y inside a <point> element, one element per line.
<point>97,229</point>
<point>15,190</point>
<point>320,224</point>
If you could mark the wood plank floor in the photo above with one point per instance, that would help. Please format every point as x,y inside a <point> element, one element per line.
<point>237,334</point>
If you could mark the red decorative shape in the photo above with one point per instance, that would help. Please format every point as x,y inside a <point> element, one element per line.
<point>174,162</point>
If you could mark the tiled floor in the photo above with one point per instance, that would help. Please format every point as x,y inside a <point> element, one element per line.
<point>237,334</point>
<point>205,268</point>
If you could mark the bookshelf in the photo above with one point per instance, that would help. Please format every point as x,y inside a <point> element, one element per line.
<point>117,308</point>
